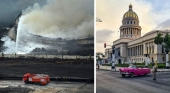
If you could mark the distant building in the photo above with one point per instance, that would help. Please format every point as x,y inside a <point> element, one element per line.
<point>131,45</point>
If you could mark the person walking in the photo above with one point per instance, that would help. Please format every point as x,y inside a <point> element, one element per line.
<point>154,70</point>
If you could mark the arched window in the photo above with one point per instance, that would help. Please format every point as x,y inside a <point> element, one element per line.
<point>131,22</point>
<point>127,22</point>
<point>134,22</point>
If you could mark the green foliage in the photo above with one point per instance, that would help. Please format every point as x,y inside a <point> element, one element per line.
<point>140,65</point>
<point>122,65</point>
<point>2,54</point>
<point>158,39</point>
<point>161,65</point>
<point>167,42</point>
<point>99,56</point>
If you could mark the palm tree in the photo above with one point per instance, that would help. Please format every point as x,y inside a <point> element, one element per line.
<point>158,40</point>
<point>167,47</point>
<point>98,56</point>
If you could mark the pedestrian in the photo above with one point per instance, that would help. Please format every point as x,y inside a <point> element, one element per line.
<point>98,67</point>
<point>154,70</point>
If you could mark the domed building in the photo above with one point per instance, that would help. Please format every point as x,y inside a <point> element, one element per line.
<point>130,25</point>
<point>131,46</point>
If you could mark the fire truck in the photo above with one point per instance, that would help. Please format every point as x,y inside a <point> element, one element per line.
<point>40,79</point>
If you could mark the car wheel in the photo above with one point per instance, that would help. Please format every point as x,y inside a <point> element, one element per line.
<point>123,75</point>
<point>26,82</point>
<point>131,74</point>
<point>145,74</point>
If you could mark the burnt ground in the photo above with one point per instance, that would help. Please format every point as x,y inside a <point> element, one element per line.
<point>17,67</point>
<point>18,86</point>
<point>11,89</point>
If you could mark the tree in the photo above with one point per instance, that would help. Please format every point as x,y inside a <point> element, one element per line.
<point>158,40</point>
<point>98,58</point>
<point>167,47</point>
<point>2,54</point>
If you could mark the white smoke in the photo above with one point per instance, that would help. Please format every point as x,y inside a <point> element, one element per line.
<point>11,33</point>
<point>56,19</point>
<point>60,18</point>
<point>10,46</point>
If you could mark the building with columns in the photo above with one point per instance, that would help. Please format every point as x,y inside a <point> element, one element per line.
<point>132,46</point>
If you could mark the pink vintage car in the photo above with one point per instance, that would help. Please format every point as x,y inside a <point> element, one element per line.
<point>133,70</point>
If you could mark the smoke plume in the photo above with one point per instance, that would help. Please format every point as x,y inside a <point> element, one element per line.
<point>57,19</point>
<point>60,18</point>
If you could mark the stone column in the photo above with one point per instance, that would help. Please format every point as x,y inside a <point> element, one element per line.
<point>139,51</point>
<point>129,51</point>
<point>132,51</point>
<point>136,50</point>
<point>142,49</point>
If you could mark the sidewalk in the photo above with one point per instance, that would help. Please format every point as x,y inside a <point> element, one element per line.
<point>108,68</point>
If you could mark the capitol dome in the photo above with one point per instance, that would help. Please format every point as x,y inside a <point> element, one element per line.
<point>130,27</point>
<point>130,14</point>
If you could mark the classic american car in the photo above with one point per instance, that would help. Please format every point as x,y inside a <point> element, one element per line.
<point>133,70</point>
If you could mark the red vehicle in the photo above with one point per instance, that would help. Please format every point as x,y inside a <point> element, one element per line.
<point>133,70</point>
<point>40,79</point>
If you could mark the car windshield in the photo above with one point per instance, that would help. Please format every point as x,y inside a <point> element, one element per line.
<point>133,66</point>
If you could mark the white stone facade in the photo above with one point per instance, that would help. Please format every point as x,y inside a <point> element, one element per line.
<point>134,47</point>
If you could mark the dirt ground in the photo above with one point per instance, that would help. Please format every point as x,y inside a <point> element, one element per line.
<point>15,86</point>
<point>83,68</point>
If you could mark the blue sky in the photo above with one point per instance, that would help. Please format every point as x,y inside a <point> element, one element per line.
<point>159,5</point>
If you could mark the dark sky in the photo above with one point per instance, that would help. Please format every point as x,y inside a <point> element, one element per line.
<point>10,9</point>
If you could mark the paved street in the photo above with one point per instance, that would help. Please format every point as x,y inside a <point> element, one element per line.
<point>117,69</point>
<point>112,82</point>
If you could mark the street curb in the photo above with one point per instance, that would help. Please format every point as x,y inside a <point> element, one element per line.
<point>118,71</point>
<point>163,71</point>
<point>106,70</point>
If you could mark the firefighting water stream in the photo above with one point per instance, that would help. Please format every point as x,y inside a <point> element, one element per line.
<point>53,20</point>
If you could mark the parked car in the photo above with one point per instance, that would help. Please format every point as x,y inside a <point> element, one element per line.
<point>133,70</point>
<point>40,79</point>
